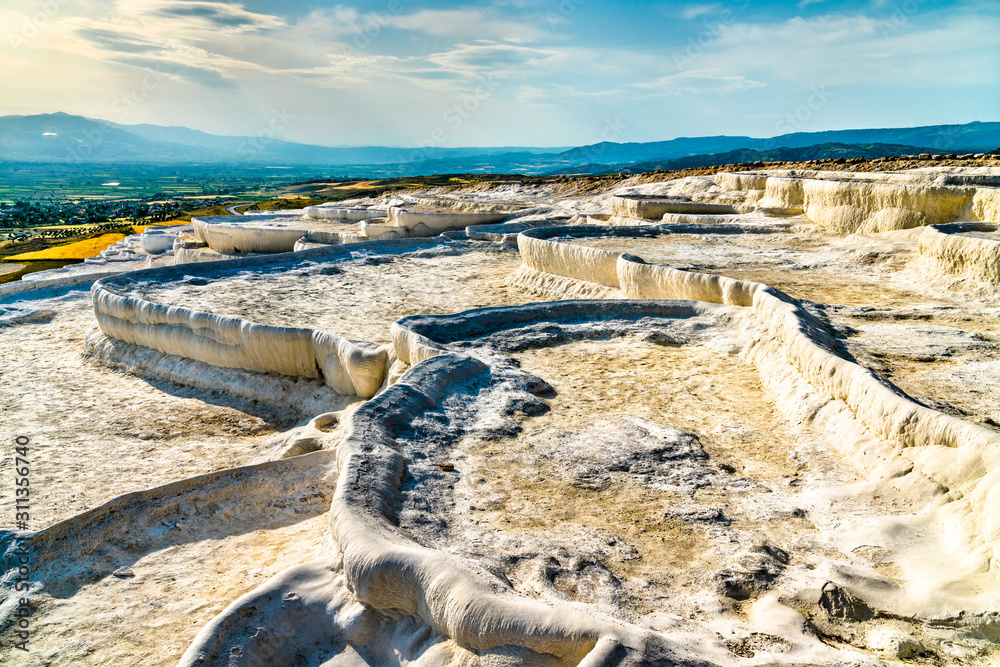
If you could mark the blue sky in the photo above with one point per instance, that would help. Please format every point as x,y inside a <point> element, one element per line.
<point>506,72</point>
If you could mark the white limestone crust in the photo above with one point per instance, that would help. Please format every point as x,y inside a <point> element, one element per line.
<point>952,249</point>
<point>960,456</point>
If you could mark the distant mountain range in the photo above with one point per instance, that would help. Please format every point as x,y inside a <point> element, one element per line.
<point>60,137</point>
<point>63,137</point>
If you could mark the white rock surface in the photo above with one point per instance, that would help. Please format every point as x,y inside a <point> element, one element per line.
<point>696,469</point>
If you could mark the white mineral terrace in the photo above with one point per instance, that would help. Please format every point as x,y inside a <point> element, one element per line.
<point>301,292</point>
<point>742,419</point>
<point>326,225</point>
<point>971,250</point>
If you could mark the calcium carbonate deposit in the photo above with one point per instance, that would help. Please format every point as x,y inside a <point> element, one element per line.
<point>741,419</point>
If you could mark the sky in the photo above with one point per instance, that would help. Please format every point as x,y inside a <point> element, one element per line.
<point>505,72</point>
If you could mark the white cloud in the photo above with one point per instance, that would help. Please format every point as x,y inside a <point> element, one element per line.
<point>335,22</point>
<point>694,11</point>
<point>833,49</point>
<point>696,82</point>
<point>561,94</point>
<point>465,24</point>
<point>507,60</point>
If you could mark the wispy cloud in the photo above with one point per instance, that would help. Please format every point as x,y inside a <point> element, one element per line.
<point>561,94</point>
<point>463,23</point>
<point>506,60</point>
<point>227,17</point>
<point>696,82</point>
<point>833,49</point>
<point>117,41</point>
<point>694,11</point>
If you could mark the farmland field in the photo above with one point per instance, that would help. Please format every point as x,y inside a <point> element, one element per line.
<point>62,182</point>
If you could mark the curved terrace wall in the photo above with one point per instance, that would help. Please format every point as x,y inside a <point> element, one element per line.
<point>347,367</point>
<point>421,222</point>
<point>954,453</point>
<point>352,214</point>
<point>238,234</point>
<point>387,570</point>
<point>253,234</point>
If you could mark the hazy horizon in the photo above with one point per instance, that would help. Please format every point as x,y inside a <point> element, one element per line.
<point>561,147</point>
<point>503,73</point>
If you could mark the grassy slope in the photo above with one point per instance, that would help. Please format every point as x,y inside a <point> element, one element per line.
<point>70,251</point>
<point>49,253</point>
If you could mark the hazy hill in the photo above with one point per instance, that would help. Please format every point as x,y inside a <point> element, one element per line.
<point>63,137</point>
<point>971,137</point>
<point>60,137</point>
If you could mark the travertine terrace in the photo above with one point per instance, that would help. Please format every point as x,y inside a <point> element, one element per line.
<point>731,419</point>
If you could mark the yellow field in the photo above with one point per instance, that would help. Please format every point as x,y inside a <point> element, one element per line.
<point>78,250</point>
